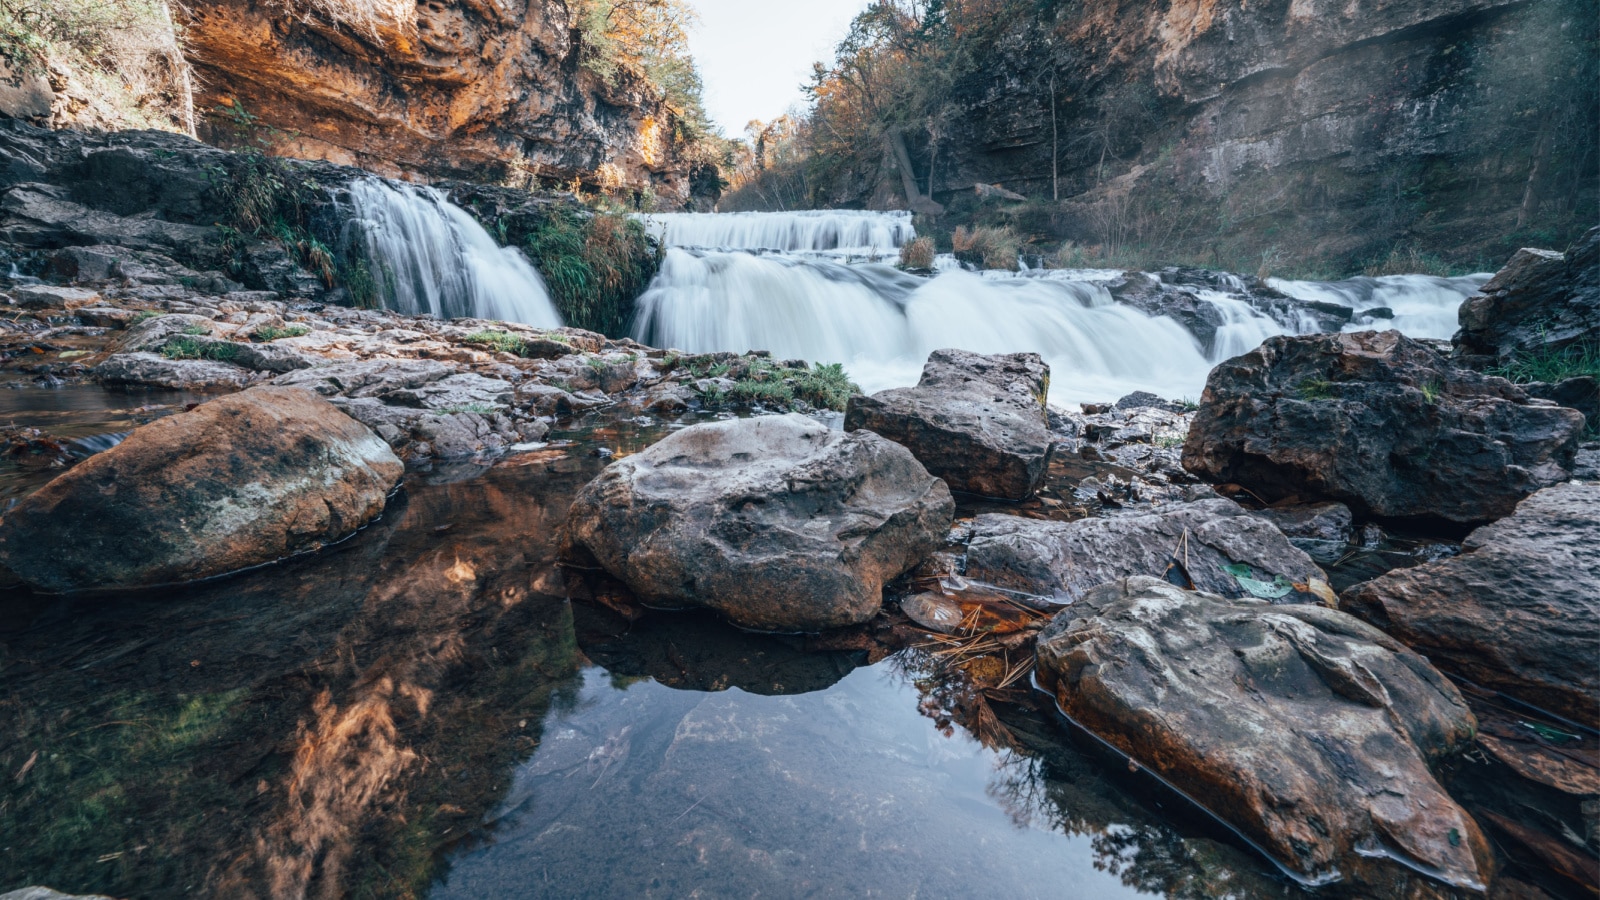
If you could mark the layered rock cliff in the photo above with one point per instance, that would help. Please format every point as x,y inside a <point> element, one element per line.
<point>471,90</point>
<point>1331,132</point>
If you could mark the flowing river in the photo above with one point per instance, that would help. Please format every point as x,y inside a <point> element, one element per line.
<point>823,287</point>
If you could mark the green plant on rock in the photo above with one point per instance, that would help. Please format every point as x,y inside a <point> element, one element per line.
<point>197,329</point>
<point>498,341</point>
<point>189,348</point>
<point>826,385</point>
<point>269,333</point>
<point>595,265</point>
<point>1315,389</point>
<point>1551,366</point>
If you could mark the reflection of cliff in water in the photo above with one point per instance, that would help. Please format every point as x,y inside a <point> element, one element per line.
<point>250,735</point>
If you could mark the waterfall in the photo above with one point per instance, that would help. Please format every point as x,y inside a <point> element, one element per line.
<point>1243,326</point>
<point>428,256</point>
<point>882,323</point>
<point>1424,306</point>
<point>843,232</point>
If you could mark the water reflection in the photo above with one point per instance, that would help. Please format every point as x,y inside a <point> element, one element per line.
<point>642,790</point>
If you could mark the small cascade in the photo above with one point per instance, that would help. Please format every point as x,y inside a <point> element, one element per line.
<point>429,256</point>
<point>85,447</point>
<point>882,323</point>
<point>1424,306</point>
<point>842,232</point>
<point>1243,326</point>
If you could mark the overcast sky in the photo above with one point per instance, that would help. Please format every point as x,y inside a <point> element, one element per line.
<point>755,54</point>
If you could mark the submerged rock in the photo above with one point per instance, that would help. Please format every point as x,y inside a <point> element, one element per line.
<point>1308,730</point>
<point>1380,422</point>
<point>1064,560</point>
<point>976,421</point>
<point>1518,611</point>
<point>1322,530</point>
<point>237,482</point>
<point>776,522</point>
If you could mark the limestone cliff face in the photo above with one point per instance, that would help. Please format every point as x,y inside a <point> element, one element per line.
<point>474,89</point>
<point>1353,126</point>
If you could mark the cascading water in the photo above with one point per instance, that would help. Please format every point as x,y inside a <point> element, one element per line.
<point>883,323</point>
<point>842,232</point>
<point>428,256</point>
<point>1424,306</point>
<point>794,284</point>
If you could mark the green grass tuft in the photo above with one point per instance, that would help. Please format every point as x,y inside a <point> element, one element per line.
<point>189,348</point>
<point>1552,366</point>
<point>269,333</point>
<point>1315,389</point>
<point>498,341</point>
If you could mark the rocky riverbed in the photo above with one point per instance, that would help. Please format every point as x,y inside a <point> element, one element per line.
<point>1268,629</point>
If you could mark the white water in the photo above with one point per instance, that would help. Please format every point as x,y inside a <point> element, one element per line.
<point>790,283</point>
<point>1425,306</point>
<point>430,256</point>
<point>882,323</point>
<point>852,232</point>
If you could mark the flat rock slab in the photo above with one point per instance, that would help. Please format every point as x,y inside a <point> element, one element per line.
<point>1379,422</point>
<point>777,523</point>
<point>240,481</point>
<point>1305,728</point>
<point>1518,611</point>
<point>1064,560</point>
<point>154,370</point>
<point>976,421</point>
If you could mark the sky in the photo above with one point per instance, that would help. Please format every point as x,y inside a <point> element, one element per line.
<point>755,54</point>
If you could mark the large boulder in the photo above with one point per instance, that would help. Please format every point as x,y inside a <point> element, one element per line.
<point>1518,611</point>
<point>1541,300</point>
<point>1380,422</point>
<point>777,523</point>
<point>243,480</point>
<point>976,421</point>
<point>1305,728</point>
<point>1064,560</point>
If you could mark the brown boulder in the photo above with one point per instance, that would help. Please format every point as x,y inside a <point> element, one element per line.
<point>1380,422</point>
<point>1518,611</point>
<point>243,480</point>
<point>976,421</point>
<point>1308,730</point>
<point>777,522</point>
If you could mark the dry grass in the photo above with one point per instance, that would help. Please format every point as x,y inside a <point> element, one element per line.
<point>991,248</point>
<point>918,254</point>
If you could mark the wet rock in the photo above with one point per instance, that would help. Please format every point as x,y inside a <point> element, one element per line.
<point>368,378</point>
<point>465,391</point>
<point>46,296</point>
<point>1064,560</point>
<point>976,421</point>
<point>154,332</point>
<point>1541,300</point>
<point>776,522</point>
<point>1303,727</point>
<point>107,317</point>
<point>1586,466</point>
<point>1322,530</point>
<point>44,893</point>
<point>442,434</point>
<point>545,400</point>
<point>237,482</point>
<point>1380,422</point>
<point>1147,400</point>
<point>153,370</point>
<point>1518,611</point>
<point>665,399</point>
<point>1581,393</point>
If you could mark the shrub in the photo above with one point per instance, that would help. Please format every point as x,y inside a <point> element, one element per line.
<point>988,248</point>
<point>595,266</point>
<point>917,254</point>
<point>827,386</point>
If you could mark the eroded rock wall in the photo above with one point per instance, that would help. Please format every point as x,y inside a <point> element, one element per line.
<point>472,90</point>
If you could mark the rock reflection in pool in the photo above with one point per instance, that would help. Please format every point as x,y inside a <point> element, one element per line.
<point>642,790</point>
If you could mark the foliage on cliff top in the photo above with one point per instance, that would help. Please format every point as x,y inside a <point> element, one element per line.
<point>125,55</point>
